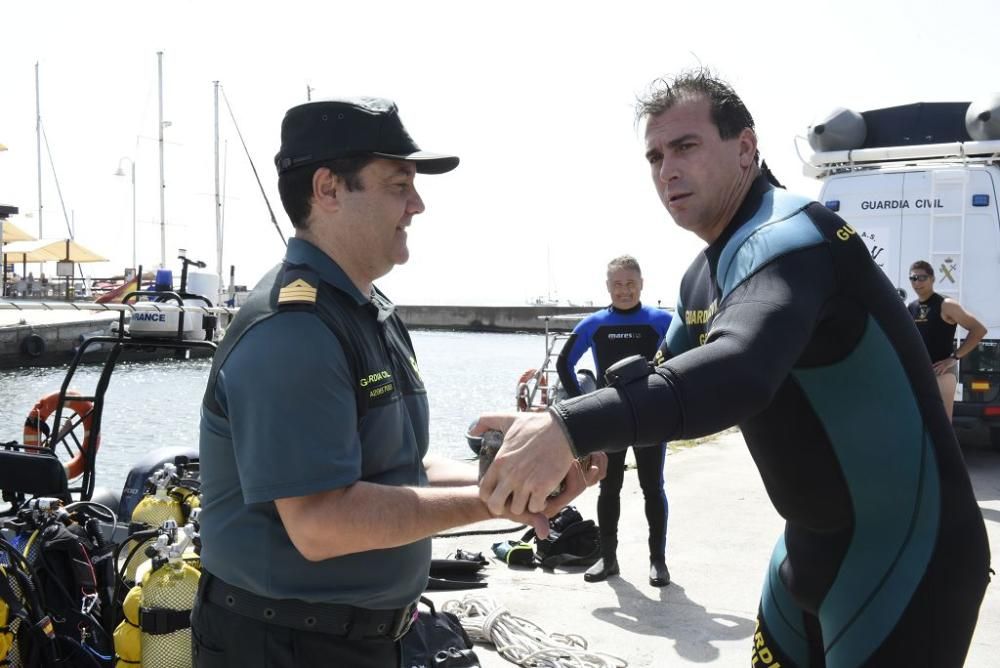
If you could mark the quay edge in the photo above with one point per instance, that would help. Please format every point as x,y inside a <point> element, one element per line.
<point>493,318</point>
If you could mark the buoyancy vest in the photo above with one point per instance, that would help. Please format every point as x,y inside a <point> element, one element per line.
<point>27,636</point>
<point>57,596</point>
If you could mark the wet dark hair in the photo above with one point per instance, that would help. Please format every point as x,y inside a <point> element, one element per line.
<point>922,264</point>
<point>727,110</point>
<point>295,186</point>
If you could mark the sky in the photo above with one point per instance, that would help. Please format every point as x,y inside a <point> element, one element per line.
<point>537,98</point>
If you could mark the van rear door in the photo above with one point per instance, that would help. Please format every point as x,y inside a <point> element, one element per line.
<point>948,216</point>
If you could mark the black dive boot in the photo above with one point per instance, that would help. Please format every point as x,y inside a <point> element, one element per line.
<point>607,565</point>
<point>659,576</point>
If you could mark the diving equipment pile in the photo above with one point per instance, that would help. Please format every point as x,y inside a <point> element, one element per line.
<point>162,567</point>
<point>523,642</point>
<point>65,567</point>
<point>572,541</point>
<point>55,585</point>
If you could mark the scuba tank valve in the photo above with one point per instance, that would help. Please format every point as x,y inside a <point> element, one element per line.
<point>43,510</point>
<point>491,442</point>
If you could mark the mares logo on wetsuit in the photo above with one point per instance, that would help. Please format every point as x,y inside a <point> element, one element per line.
<point>378,383</point>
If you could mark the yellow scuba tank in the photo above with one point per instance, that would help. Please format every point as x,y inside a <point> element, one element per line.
<point>10,623</point>
<point>156,631</point>
<point>152,511</point>
<point>6,631</point>
<point>128,651</point>
<point>168,595</point>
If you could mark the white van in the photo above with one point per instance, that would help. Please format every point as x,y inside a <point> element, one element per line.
<point>919,182</point>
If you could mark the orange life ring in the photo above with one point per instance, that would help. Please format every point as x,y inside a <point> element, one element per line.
<point>45,407</point>
<point>524,392</point>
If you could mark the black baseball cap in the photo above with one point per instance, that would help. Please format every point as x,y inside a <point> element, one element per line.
<point>325,130</point>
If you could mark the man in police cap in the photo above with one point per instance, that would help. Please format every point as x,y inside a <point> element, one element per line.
<point>319,493</point>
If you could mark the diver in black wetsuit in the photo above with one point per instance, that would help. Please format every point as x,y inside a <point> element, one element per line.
<point>937,318</point>
<point>786,327</point>
<point>621,330</point>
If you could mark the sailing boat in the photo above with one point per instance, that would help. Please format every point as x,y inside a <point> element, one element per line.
<point>196,289</point>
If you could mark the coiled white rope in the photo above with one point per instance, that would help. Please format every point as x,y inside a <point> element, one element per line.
<point>523,642</point>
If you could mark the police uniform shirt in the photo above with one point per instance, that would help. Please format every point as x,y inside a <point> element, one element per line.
<point>291,429</point>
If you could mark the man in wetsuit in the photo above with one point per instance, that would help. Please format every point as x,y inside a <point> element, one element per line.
<point>787,328</point>
<point>623,329</point>
<point>936,318</point>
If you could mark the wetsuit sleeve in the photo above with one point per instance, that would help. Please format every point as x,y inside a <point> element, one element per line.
<point>577,344</point>
<point>759,332</point>
<point>676,340</point>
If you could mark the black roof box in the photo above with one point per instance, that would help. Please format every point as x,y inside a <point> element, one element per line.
<point>919,123</point>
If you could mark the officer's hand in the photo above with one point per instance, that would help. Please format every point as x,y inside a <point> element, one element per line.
<point>534,459</point>
<point>583,473</point>
<point>537,521</point>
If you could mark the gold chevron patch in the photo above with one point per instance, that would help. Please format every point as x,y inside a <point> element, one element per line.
<point>297,292</point>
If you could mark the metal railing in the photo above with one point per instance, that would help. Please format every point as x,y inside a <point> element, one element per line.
<point>137,307</point>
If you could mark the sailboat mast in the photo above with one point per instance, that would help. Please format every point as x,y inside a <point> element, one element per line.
<point>38,148</point>
<point>218,200</point>
<point>163,187</point>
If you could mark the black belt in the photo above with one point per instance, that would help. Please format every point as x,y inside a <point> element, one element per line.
<point>330,618</point>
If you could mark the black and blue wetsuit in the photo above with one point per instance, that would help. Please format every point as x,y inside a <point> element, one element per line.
<point>613,334</point>
<point>786,327</point>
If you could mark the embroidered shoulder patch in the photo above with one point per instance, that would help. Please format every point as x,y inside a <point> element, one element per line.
<point>297,291</point>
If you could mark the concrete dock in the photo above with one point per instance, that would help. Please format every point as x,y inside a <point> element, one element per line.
<point>721,531</point>
<point>45,334</point>
<point>47,338</point>
<point>533,318</point>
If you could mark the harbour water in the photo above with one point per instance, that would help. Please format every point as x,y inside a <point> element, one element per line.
<point>155,404</point>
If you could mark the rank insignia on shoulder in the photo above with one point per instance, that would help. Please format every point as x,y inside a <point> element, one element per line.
<point>297,290</point>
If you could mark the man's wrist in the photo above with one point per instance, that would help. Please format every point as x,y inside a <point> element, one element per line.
<point>557,418</point>
<point>955,356</point>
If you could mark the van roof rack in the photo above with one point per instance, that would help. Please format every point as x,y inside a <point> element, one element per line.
<point>922,132</point>
<point>824,163</point>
